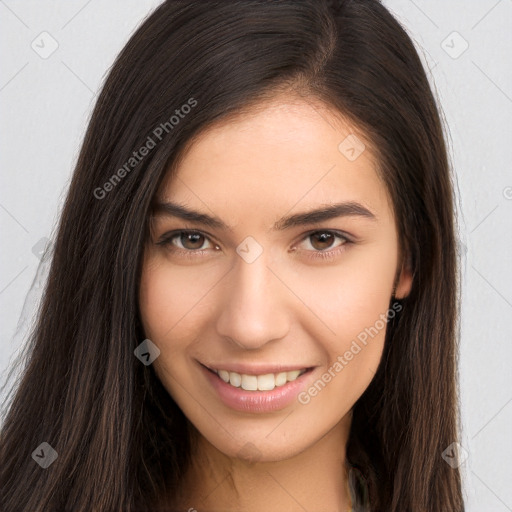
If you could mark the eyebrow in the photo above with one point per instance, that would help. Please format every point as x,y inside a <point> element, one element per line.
<point>322,214</point>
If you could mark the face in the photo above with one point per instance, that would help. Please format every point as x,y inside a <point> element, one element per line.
<point>289,309</point>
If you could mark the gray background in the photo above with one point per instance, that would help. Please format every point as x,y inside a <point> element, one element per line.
<point>45,104</point>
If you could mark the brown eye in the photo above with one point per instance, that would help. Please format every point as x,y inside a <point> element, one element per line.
<point>192,241</point>
<point>185,241</point>
<point>321,245</point>
<point>321,240</point>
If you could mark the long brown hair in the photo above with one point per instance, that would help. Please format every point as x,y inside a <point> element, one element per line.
<point>121,441</point>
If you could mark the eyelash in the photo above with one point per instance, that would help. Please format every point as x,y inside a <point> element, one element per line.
<point>166,241</point>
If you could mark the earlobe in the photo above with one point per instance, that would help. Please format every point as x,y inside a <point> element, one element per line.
<point>403,281</point>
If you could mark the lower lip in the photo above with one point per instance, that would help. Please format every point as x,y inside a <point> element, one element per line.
<point>257,401</point>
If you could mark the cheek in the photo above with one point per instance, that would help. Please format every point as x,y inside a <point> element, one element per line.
<point>352,356</point>
<point>175,301</point>
<point>164,299</point>
<point>351,302</point>
<point>172,297</point>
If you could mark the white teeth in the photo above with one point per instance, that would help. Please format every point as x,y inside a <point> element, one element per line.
<point>249,382</point>
<point>224,375</point>
<point>281,379</point>
<point>266,382</point>
<point>235,379</point>
<point>292,375</point>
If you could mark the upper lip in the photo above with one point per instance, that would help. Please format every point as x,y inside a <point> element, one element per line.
<point>256,369</point>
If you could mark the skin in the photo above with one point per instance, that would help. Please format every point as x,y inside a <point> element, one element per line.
<point>284,307</point>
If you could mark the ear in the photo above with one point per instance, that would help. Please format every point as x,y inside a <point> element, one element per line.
<point>403,280</point>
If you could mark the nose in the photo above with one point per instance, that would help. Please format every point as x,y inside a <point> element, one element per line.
<point>256,305</point>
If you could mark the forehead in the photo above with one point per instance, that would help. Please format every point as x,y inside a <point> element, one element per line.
<point>280,153</point>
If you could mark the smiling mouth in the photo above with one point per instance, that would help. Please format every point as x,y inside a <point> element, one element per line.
<point>265,382</point>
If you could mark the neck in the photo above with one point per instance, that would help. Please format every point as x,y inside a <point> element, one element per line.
<point>315,479</point>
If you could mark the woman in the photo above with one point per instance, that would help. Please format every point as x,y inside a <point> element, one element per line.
<point>252,303</point>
